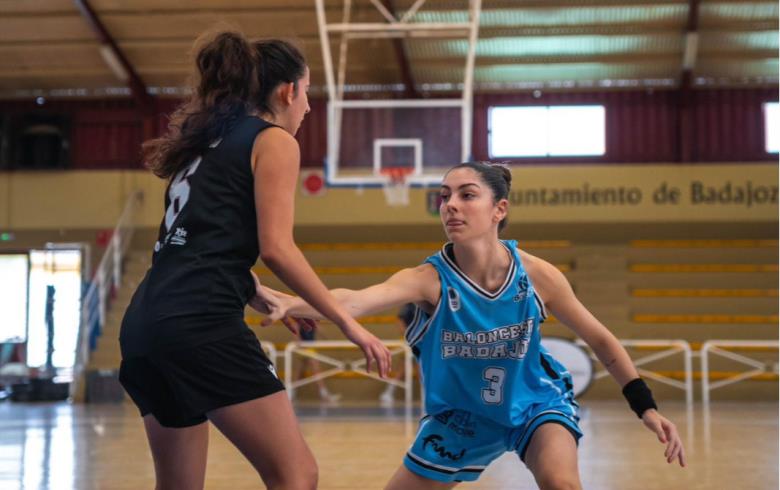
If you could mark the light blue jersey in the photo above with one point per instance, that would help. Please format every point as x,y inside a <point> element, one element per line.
<point>480,351</point>
<point>489,383</point>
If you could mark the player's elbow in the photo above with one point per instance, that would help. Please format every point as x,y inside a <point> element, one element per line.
<point>273,257</point>
<point>275,249</point>
<point>604,344</point>
<point>350,300</point>
<point>342,294</point>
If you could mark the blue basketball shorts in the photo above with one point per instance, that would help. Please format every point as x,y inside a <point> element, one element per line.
<point>457,445</point>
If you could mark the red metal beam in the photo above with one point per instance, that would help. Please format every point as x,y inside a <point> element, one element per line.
<point>410,91</point>
<point>137,86</point>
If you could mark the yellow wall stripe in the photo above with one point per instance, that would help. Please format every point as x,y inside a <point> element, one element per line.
<point>679,375</point>
<point>717,268</point>
<point>718,375</point>
<point>641,318</point>
<point>368,320</point>
<point>356,270</point>
<point>311,247</point>
<point>704,243</point>
<point>704,293</point>
<point>696,346</point>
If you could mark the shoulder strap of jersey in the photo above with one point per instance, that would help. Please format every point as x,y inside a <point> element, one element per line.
<point>419,326</point>
<point>521,272</point>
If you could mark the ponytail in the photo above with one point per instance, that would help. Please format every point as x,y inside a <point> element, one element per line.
<point>235,77</point>
<point>226,88</point>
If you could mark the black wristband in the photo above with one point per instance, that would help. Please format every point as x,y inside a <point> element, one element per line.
<point>639,396</point>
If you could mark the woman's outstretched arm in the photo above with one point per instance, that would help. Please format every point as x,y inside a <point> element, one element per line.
<point>560,300</point>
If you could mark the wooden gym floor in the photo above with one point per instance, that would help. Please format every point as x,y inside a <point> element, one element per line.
<point>61,446</point>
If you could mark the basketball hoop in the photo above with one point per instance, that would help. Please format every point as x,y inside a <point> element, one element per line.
<point>396,185</point>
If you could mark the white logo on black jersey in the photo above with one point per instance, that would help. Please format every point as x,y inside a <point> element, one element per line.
<point>454,299</point>
<point>273,370</point>
<point>179,193</point>
<point>179,237</point>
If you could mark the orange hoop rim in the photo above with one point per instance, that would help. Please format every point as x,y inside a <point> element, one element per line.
<point>397,174</point>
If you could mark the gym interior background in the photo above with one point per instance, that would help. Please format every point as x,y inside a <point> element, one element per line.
<point>663,214</point>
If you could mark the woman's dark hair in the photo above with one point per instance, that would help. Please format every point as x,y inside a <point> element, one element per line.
<point>234,78</point>
<point>280,62</point>
<point>496,175</point>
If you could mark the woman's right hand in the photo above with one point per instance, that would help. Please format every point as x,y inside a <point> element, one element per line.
<point>374,350</point>
<point>279,306</point>
<point>275,304</point>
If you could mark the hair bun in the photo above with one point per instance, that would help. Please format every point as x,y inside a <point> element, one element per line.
<point>505,172</point>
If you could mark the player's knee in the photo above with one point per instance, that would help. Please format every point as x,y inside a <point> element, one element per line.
<point>305,481</point>
<point>310,477</point>
<point>559,482</point>
<point>303,478</point>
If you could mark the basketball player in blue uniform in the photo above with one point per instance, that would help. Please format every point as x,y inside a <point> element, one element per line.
<point>490,387</point>
<point>231,161</point>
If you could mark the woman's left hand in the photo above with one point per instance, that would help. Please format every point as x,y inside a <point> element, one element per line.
<point>667,434</point>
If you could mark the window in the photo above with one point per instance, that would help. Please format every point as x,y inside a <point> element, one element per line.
<point>62,270</point>
<point>13,297</point>
<point>772,127</point>
<point>546,131</point>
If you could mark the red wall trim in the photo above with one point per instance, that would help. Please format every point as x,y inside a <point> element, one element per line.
<point>724,125</point>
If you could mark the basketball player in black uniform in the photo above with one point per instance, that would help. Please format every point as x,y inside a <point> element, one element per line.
<point>232,163</point>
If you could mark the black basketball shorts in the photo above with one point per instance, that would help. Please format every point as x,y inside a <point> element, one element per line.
<point>180,387</point>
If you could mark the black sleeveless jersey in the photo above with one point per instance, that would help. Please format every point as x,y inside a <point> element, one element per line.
<point>199,281</point>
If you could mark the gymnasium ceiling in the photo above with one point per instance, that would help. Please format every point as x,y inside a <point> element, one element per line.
<point>48,47</point>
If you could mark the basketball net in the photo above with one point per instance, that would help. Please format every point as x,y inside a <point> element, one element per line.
<point>396,185</point>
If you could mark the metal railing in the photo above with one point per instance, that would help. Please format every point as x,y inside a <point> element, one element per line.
<point>309,349</point>
<point>723,348</point>
<point>665,348</point>
<point>107,279</point>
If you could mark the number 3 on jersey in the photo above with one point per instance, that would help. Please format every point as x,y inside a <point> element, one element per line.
<point>494,393</point>
<point>179,193</point>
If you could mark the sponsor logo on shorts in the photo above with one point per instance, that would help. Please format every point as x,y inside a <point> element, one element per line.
<point>444,417</point>
<point>273,371</point>
<point>462,424</point>
<point>434,441</point>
